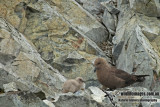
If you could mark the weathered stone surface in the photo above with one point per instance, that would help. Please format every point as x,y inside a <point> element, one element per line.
<point>109,21</point>
<point>6,58</point>
<point>7,78</point>
<point>111,7</point>
<point>97,94</point>
<point>120,3</point>
<point>65,35</point>
<point>10,87</point>
<point>93,7</point>
<point>150,28</point>
<point>14,12</point>
<point>27,68</point>
<point>146,7</point>
<point>49,103</point>
<point>74,57</point>
<point>135,49</point>
<point>80,66</point>
<point>80,19</point>
<point>118,98</point>
<point>110,16</point>
<point>21,99</point>
<point>56,29</point>
<point>137,96</point>
<point>76,101</point>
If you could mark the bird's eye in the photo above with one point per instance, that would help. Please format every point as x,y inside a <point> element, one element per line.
<point>81,80</point>
<point>98,63</point>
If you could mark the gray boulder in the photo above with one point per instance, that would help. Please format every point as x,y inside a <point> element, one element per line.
<point>147,7</point>
<point>133,51</point>
<point>21,99</point>
<point>76,101</point>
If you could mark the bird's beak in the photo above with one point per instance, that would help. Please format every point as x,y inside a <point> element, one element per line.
<point>94,69</point>
<point>83,81</point>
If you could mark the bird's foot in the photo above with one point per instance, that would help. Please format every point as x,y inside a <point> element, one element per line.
<point>110,97</point>
<point>103,88</point>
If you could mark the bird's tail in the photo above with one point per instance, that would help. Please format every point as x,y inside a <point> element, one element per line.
<point>140,78</point>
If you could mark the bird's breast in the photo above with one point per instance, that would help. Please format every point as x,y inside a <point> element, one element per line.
<point>102,77</point>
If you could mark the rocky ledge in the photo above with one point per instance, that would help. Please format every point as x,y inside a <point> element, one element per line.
<point>45,42</point>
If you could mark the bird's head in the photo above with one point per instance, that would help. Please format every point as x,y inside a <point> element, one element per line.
<point>80,80</point>
<point>99,63</point>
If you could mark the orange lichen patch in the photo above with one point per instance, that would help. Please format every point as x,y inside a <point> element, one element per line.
<point>80,40</point>
<point>76,44</point>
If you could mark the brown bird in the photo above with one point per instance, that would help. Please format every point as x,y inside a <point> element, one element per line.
<point>73,85</point>
<point>112,77</point>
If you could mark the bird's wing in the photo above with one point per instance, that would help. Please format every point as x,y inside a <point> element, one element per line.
<point>121,74</point>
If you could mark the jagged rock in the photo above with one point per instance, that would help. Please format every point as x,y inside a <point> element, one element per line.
<point>122,2</point>
<point>6,78</point>
<point>130,96</point>
<point>121,97</point>
<point>132,49</point>
<point>10,87</point>
<point>88,24</point>
<point>147,7</point>
<point>100,12</point>
<point>6,58</point>
<point>111,8</point>
<point>76,101</point>
<point>110,16</point>
<point>50,104</point>
<point>24,11</point>
<point>21,99</point>
<point>58,28</point>
<point>109,21</point>
<point>93,7</point>
<point>76,65</point>
<point>27,69</point>
<point>97,94</point>
<point>65,36</point>
<point>74,57</point>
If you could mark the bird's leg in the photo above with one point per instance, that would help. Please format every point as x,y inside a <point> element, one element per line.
<point>82,89</point>
<point>133,71</point>
<point>104,88</point>
<point>111,89</point>
<point>110,98</point>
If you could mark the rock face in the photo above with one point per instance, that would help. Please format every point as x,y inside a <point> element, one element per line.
<point>109,21</point>
<point>135,47</point>
<point>76,101</point>
<point>147,7</point>
<point>21,99</point>
<point>94,97</point>
<point>10,87</point>
<point>120,98</point>
<point>43,42</point>
<point>25,66</point>
<point>56,29</point>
